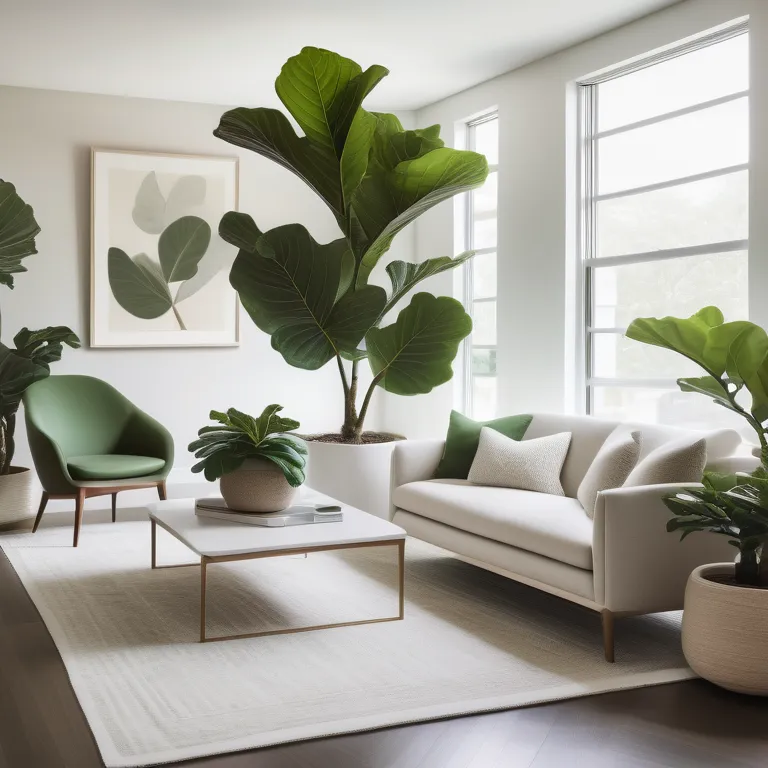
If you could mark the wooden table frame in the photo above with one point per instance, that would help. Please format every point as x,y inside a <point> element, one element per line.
<point>206,560</point>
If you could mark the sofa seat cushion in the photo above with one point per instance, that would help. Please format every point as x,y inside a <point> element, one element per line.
<point>113,466</point>
<point>553,526</point>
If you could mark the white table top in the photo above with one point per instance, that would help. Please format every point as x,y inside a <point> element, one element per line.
<point>209,537</point>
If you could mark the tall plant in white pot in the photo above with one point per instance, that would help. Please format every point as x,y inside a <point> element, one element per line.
<point>27,361</point>
<point>725,622</point>
<point>316,300</point>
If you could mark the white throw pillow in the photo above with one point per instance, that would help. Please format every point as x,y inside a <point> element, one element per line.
<point>610,468</point>
<point>678,461</point>
<point>530,465</point>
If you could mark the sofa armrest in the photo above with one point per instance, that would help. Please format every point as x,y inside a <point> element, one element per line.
<point>638,566</point>
<point>413,460</point>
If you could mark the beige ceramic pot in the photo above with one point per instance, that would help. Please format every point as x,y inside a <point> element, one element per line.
<point>724,631</point>
<point>19,495</point>
<point>258,486</point>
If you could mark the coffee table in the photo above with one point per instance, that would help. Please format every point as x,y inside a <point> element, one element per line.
<point>220,541</point>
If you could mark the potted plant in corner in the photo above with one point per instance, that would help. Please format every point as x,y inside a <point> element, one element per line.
<point>725,622</point>
<point>27,361</point>
<point>315,300</point>
<point>258,465</point>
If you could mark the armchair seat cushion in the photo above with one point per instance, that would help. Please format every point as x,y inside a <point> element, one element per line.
<point>553,526</point>
<point>113,466</point>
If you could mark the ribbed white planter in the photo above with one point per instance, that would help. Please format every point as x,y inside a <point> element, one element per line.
<point>257,486</point>
<point>358,475</point>
<point>725,630</point>
<point>19,495</point>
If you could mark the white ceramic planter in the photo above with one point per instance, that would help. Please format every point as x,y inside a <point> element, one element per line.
<point>19,495</point>
<point>358,475</point>
<point>258,486</point>
<point>725,630</point>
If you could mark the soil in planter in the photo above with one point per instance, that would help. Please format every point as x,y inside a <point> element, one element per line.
<point>730,581</point>
<point>367,438</point>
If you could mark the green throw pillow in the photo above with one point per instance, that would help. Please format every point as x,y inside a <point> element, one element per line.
<point>464,436</point>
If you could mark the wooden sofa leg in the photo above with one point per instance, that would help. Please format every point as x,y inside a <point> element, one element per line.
<point>114,507</point>
<point>161,491</point>
<point>40,511</point>
<point>607,617</point>
<point>79,504</point>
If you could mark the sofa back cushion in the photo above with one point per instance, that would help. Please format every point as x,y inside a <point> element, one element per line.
<point>589,434</point>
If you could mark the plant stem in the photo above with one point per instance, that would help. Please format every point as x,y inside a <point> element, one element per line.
<point>366,403</point>
<point>748,568</point>
<point>350,396</point>
<point>182,327</point>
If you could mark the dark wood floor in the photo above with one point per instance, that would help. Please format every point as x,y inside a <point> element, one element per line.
<point>684,725</point>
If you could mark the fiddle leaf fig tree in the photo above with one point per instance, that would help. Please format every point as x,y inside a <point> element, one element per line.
<point>33,352</point>
<point>315,300</point>
<point>734,357</point>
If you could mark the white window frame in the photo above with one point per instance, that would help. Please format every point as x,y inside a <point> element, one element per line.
<point>467,298</point>
<point>588,169</point>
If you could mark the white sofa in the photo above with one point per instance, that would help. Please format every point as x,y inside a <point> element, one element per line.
<point>621,563</point>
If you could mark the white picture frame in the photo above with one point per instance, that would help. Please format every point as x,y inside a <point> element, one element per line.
<point>144,204</point>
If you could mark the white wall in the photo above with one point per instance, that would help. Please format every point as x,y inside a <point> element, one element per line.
<point>45,141</point>
<point>537,204</point>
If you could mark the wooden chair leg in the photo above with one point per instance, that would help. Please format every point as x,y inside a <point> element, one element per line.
<point>608,644</point>
<point>114,507</point>
<point>161,491</point>
<point>40,511</point>
<point>79,504</point>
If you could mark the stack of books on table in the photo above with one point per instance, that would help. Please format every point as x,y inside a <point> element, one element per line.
<point>299,514</point>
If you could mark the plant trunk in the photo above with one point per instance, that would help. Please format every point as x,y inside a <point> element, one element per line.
<point>763,566</point>
<point>748,570</point>
<point>352,428</point>
<point>7,446</point>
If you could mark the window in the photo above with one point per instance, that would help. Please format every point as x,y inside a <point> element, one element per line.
<point>479,275</point>
<point>665,155</point>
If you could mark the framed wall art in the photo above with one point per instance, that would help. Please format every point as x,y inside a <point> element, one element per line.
<point>159,270</point>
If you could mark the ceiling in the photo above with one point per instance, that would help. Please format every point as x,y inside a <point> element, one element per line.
<point>229,51</point>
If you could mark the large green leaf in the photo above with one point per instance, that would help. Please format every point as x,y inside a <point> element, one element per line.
<point>409,172</point>
<point>748,361</point>
<point>405,275</point>
<point>17,372</point>
<point>686,336</point>
<point>45,345</point>
<point>138,287</point>
<point>240,230</point>
<point>181,246</point>
<point>18,230</point>
<point>289,287</point>
<point>709,386</point>
<point>414,354</point>
<point>268,133</point>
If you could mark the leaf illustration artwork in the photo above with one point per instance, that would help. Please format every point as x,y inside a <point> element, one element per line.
<point>142,286</point>
<point>152,213</point>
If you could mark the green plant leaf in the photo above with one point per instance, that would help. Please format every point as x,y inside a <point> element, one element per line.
<point>137,286</point>
<point>240,230</point>
<point>17,372</point>
<point>18,230</point>
<point>409,172</point>
<point>709,386</point>
<point>289,288</point>
<point>414,354</point>
<point>45,346</point>
<point>268,133</point>
<point>405,275</point>
<point>181,246</point>
<point>747,359</point>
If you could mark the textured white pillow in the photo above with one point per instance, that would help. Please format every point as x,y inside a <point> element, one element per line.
<point>610,468</point>
<point>530,465</point>
<point>678,461</point>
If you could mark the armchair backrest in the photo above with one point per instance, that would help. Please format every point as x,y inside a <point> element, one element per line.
<point>81,414</point>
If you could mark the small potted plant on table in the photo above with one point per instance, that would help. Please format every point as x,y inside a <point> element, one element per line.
<point>725,622</point>
<point>258,465</point>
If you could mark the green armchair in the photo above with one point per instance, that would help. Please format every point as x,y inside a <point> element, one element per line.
<point>89,440</point>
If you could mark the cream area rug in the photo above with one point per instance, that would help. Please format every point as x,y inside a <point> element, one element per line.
<point>471,641</point>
